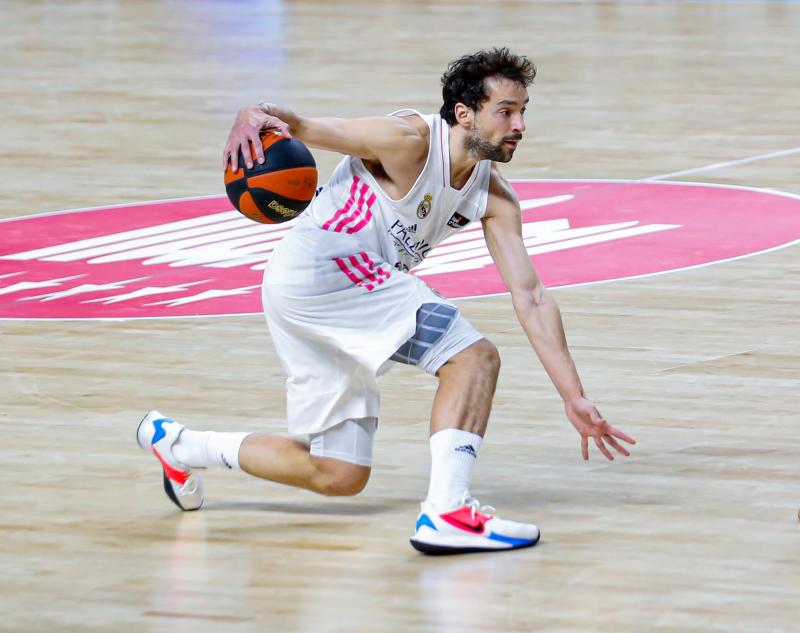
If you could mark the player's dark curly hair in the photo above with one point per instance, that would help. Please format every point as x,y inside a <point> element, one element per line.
<point>464,79</point>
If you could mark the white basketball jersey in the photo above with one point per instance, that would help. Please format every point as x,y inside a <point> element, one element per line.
<point>402,231</point>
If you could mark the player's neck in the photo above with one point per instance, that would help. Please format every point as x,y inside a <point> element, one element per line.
<point>462,161</point>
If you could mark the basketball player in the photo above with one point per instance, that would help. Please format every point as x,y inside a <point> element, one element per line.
<point>341,305</point>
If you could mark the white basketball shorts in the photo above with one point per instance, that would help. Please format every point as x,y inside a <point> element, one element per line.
<point>337,314</point>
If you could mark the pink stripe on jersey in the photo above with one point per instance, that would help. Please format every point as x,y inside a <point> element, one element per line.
<point>365,274</point>
<point>383,274</point>
<point>366,217</point>
<point>343,267</point>
<point>347,205</point>
<point>355,213</point>
<point>368,276</point>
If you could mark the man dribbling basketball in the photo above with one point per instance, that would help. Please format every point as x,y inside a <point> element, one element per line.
<point>340,305</point>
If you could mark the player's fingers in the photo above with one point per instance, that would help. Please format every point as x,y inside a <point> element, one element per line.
<point>617,433</point>
<point>602,448</point>
<point>233,156</point>
<point>283,128</point>
<point>585,448</point>
<point>610,440</point>
<point>258,148</point>
<point>248,148</point>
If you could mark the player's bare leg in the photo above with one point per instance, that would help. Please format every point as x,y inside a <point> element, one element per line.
<point>288,461</point>
<point>451,521</point>
<point>184,454</point>
<point>467,384</point>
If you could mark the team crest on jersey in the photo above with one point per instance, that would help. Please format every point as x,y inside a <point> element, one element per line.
<point>458,221</point>
<point>424,207</point>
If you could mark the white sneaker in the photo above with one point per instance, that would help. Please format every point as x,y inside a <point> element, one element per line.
<point>183,486</point>
<point>469,528</point>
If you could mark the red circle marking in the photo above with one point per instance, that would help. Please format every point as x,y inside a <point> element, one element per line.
<point>198,257</point>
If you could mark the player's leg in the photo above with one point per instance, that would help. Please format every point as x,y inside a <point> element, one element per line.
<point>451,520</point>
<point>467,383</point>
<point>459,417</point>
<point>467,366</point>
<point>336,462</point>
<point>446,345</point>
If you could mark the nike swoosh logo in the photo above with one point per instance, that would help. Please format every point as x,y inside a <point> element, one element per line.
<point>473,529</point>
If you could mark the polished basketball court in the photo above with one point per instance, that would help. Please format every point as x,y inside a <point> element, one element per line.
<point>683,323</point>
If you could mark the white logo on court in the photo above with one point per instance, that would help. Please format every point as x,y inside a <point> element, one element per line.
<point>228,240</point>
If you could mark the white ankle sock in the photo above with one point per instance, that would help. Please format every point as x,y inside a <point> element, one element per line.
<point>199,449</point>
<point>453,453</point>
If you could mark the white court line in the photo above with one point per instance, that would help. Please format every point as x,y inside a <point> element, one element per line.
<point>741,161</point>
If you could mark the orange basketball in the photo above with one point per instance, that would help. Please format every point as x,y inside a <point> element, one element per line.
<point>280,188</point>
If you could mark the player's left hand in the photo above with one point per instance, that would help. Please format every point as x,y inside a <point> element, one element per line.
<point>587,420</point>
<point>246,134</point>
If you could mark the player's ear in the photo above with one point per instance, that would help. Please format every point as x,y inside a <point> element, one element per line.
<point>464,115</point>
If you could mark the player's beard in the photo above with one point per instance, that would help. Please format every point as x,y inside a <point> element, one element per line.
<point>486,150</point>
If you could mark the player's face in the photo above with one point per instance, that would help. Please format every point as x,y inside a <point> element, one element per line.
<point>500,121</point>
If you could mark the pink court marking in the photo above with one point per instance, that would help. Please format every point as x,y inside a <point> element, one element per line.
<point>196,257</point>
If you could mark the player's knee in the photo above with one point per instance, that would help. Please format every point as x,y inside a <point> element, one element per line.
<point>479,359</point>
<point>343,480</point>
<point>487,356</point>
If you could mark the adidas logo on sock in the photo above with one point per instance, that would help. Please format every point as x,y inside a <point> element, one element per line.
<point>467,448</point>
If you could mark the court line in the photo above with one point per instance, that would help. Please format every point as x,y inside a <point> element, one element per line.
<point>40,214</point>
<point>643,275</point>
<point>740,161</point>
<point>646,2</point>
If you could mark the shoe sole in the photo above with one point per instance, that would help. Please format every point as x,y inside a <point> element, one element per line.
<point>437,549</point>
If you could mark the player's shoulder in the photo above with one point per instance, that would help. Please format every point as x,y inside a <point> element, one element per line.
<point>501,194</point>
<point>412,125</point>
<point>409,138</point>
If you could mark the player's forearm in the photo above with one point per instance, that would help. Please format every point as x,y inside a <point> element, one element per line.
<point>541,320</point>
<point>318,132</point>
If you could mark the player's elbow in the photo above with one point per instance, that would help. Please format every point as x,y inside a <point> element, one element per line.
<point>528,297</point>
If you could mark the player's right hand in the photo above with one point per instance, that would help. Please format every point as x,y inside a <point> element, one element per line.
<point>588,421</point>
<point>246,133</point>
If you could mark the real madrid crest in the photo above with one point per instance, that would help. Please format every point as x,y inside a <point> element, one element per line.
<point>424,207</point>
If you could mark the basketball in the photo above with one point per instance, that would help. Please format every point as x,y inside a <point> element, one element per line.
<point>280,188</point>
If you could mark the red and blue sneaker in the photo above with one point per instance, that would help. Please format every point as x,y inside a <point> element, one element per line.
<point>469,528</point>
<point>158,433</point>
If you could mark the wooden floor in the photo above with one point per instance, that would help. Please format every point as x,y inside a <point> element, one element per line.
<point>109,102</point>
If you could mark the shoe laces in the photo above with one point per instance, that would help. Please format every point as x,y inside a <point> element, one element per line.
<point>475,506</point>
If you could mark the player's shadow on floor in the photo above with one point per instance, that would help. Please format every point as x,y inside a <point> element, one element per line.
<point>322,507</point>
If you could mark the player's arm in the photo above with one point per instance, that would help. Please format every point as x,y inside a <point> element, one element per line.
<point>536,309</point>
<point>540,317</point>
<point>385,139</point>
